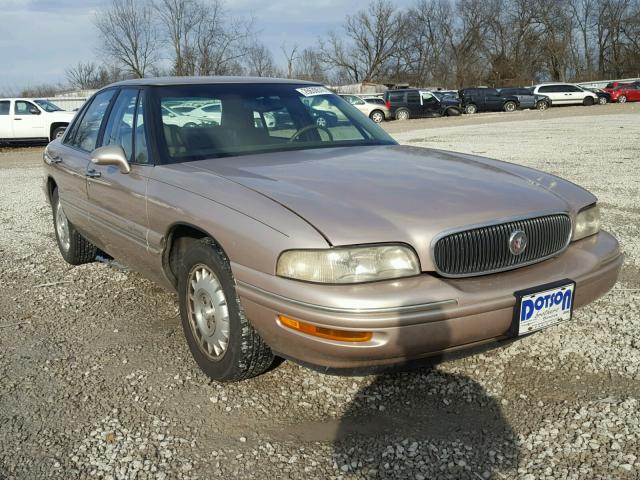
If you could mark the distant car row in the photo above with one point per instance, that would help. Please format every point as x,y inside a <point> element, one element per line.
<point>403,104</point>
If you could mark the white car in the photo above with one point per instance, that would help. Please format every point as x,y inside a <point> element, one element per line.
<point>25,119</point>
<point>566,94</point>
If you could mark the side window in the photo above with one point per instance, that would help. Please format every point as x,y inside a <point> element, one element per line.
<point>86,135</point>
<point>4,107</point>
<point>141,154</point>
<point>549,89</point>
<point>413,97</point>
<point>119,129</point>
<point>427,98</point>
<point>396,97</point>
<point>25,108</point>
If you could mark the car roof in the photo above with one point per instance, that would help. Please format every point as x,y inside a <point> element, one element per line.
<point>555,83</point>
<point>165,81</point>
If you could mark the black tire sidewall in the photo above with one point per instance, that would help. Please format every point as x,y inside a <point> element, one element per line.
<point>228,367</point>
<point>507,104</point>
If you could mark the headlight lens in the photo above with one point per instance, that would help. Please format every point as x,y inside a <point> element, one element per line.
<point>349,265</point>
<point>587,223</point>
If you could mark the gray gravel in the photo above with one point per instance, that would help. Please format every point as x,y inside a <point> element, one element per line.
<point>96,380</point>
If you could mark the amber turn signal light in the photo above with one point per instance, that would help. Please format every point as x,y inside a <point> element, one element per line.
<point>328,333</point>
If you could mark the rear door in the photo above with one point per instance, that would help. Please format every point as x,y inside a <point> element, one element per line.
<point>555,93</point>
<point>69,160</point>
<point>6,128</point>
<point>117,201</point>
<point>492,99</point>
<point>28,121</point>
<point>413,104</point>
<point>634,93</point>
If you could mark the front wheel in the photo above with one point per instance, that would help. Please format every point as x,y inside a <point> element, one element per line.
<point>377,116</point>
<point>57,133</point>
<point>622,99</point>
<point>222,341</point>
<point>452,112</point>
<point>510,106</point>
<point>75,249</point>
<point>588,101</point>
<point>602,100</point>
<point>470,109</point>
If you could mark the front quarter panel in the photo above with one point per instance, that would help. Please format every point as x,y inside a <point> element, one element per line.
<point>252,229</point>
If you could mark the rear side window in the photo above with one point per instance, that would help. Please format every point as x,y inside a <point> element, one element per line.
<point>86,135</point>
<point>413,97</point>
<point>550,89</point>
<point>396,97</point>
<point>4,107</point>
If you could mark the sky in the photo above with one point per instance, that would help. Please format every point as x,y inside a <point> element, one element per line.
<point>39,39</point>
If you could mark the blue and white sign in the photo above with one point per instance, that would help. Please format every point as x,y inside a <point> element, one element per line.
<point>543,309</point>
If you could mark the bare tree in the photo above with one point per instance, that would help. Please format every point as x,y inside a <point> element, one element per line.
<point>308,66</point>
<point>203,38</point>
<point>371,41</point>
<point>290,56</point>
<point>260,62</point>
<point>129,35</point>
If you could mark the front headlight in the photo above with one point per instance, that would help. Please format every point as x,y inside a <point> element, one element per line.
<point>349,264</point>
<point>587,223</point>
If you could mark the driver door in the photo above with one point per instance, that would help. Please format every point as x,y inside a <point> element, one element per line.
<point>28,121</point>
<point>118,200</point>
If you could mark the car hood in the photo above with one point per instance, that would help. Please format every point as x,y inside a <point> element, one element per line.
<point>356,195</point>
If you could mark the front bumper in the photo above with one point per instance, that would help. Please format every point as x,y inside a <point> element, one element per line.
<point>416,317</point>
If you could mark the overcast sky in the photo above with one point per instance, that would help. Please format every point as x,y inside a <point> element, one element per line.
<point>40,38</point>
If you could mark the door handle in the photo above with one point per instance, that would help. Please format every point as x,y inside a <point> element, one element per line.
<point>17,119</point>
<point>91,173</point>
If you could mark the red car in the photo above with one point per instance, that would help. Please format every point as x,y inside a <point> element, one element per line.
<point>626,93</point>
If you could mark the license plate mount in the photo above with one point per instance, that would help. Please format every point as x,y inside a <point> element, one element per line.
<point>542,306</point>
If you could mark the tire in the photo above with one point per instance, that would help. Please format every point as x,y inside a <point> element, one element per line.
<point>471,109</point>
<point>57,132</point>
<point>452,112</point>
<point>588,101</point>
<point>603,100</point>
<point>377,116</point>
<point>542,105</point>
<point>402,114</point>
<point>75,249</point>
<point>622,99</point>
<point>321,122</point>
<point>510,106</point>
<point>222,341</point>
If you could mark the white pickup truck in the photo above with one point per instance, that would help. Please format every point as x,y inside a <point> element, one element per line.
<point>23,119</point>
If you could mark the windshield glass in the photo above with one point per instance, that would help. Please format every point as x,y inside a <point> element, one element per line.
<point>209,121</point>
<point>47,106</point>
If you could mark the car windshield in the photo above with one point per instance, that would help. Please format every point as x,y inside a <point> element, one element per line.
<point>240,119</point>
<point>47,106</point>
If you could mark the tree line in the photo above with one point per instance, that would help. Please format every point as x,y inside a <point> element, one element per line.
<point>448,43</point>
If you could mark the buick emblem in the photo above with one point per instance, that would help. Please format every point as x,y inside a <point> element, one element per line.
<point>518,242</point>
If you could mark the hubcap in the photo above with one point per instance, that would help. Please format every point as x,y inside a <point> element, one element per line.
<point>321,122</point>
<point>622,99</point>
<point>62,228</point>
<point>377,117</point>
<point>59,133</point>
<point>208,312</point>
<point>402,115</point>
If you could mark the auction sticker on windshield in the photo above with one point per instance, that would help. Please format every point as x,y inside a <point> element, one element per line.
<point>313,91</point>
<point>538,309</point>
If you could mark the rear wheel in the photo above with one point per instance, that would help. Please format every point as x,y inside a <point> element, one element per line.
<point>588,101</point>
<point>622,99</point>
<point>510,106</point>
<point>75,249</point>
<point>542,105</point>
<point>377,116</point>
<point>403,114</point>
<point>471,109</point>
<point>222,341</point>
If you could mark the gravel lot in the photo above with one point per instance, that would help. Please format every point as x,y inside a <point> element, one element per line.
<point>96,380</point>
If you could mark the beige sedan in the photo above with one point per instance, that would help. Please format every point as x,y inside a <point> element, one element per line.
<point>374,111</point>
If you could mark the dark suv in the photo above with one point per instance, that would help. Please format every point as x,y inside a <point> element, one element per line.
<point>415,103</point>
<point>527,98</point>
<point>487,99</point>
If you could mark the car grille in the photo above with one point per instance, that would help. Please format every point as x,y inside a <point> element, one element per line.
<point>486,249</point>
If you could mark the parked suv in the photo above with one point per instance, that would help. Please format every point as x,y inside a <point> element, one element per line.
<point>527,98</point>
<point>487,99</point>
<point>23,120</point>
<point>414,103</point>
<point>375,112</point>
<point>566,94</point>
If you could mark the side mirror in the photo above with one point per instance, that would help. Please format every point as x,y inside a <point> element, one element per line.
<point>111,155</point>
<point>34,111</point>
